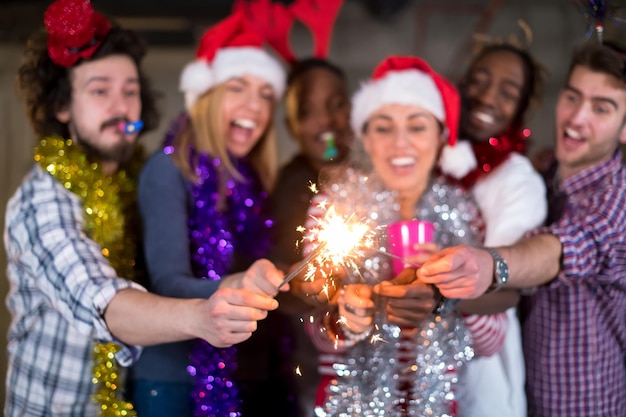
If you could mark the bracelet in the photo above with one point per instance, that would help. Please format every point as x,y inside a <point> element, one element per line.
<point>332,331</point>
<point>352,336</point>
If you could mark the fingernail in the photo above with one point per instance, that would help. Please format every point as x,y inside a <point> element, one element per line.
<point>274,304</point>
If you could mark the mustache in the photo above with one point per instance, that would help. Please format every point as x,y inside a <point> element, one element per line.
<point>113,122</point>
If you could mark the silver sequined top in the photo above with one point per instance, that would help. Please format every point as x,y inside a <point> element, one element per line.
<point>415,370</point>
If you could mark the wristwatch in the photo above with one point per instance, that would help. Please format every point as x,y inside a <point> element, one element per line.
<point>500,271</point>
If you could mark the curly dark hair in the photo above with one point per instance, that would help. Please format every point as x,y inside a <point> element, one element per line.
<point>299,69</point>
<point>47,87</point>
<point>534,76</point>
<point>304,65</point>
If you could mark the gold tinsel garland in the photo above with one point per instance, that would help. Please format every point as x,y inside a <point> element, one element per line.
<point>109,204</point>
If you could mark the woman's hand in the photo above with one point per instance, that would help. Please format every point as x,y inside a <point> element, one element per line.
<point>409,301</point>
<point>356,308</point>
<point>318,289</point>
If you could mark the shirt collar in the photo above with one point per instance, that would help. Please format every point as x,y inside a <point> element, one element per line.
<point>592,175</point>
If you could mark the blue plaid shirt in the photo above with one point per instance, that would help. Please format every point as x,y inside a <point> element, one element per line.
<point>575,331</point>
<point>60,286</point>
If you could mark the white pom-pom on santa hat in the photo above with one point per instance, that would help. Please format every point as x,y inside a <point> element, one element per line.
<point>196,79</point>
<point>226,50</point>
<point>457,161</point>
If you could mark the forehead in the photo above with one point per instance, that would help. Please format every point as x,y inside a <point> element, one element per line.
<point>399,112</point>
<point>503,63</point>
<point>110,68</point>
<point>319,77</point>
<point>597,84</point>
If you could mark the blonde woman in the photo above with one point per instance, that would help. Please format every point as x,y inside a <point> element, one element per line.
<point>202,201</point>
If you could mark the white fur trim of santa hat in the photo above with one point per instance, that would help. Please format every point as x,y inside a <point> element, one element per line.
<point>458,160</point>
<point>411,87</point>
<point>199,76</point>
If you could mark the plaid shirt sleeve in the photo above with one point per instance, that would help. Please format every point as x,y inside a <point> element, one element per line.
<point>588,242</point>
<point>57,264</point>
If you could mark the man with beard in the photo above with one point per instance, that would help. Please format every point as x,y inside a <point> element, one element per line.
<point>574,332</point>
<point>76,313</point>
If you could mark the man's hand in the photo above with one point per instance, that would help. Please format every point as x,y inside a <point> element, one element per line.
<point>460,272</point>
<point>261,278</point>
<point>232,312</point>
<point>409,300</point>
<point>230,316</point>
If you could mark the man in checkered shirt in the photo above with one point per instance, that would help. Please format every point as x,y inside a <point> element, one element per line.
<point>574,330</point>
<point>81,79</point>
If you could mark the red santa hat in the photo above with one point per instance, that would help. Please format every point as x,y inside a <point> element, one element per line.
<point>229,49</point>
<point>407,80</point>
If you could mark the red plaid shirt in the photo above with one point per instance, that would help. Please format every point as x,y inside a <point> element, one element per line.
<point>575,330</point>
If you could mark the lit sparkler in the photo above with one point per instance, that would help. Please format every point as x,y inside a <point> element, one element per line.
<point>341,243</point>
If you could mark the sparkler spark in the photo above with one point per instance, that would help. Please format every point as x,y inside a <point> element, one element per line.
<point>341,242</point>
<point>298,372</point>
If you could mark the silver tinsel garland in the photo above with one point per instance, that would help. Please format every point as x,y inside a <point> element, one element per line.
<point>408,371</point>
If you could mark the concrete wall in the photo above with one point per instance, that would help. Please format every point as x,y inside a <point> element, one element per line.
<point>437,30</point>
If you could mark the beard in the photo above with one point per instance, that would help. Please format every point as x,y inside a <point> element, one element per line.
<point>120,152</point>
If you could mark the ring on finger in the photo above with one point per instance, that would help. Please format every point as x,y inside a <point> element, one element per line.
<point>359,311</point>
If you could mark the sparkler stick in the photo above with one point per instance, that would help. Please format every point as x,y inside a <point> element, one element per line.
<point>301,265</point>
<point>391,255</point>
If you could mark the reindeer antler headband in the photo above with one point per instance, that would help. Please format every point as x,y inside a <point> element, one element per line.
<point>523,43</point>
<point>273,20</point>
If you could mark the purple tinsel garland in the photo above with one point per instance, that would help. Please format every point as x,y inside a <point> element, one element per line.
<point>221,240</point>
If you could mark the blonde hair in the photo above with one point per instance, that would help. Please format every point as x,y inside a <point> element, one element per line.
<point>205,132</point>
<point>292,108</point>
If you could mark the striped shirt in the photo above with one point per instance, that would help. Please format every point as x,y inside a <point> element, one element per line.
<point>575,330</point>
<point>60,286</point>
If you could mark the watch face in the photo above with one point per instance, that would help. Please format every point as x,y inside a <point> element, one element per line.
<point>502,272</point>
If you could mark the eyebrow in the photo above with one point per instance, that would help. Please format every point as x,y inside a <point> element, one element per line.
<point>104,78</point>
<point>240,79</point>
<point>507,81</point>
<point>419,115</point>
<point>382,116</point>
<point>593,98</point>
<point>243,81</point>
<point>411,116</point>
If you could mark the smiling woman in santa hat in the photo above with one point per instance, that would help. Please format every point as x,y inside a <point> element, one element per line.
<point>389,348</point>
<point>202,201</point>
